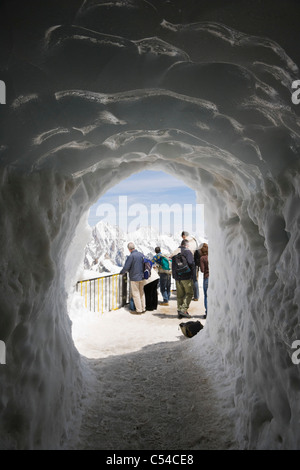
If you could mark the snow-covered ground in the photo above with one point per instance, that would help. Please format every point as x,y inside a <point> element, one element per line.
<point>98,335</point>
<point>147,385</point>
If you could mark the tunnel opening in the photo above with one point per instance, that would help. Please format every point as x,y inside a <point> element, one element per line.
<point>150,208</point>
<point>231,223</point>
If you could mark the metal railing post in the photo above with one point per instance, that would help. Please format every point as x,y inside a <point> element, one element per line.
<point>124,289</point>
<point>113,292</point>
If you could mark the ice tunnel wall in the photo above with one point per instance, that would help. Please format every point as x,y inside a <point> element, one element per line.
<point>91,106</point>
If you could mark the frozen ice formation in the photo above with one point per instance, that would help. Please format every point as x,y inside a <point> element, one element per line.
<point>116,90</point>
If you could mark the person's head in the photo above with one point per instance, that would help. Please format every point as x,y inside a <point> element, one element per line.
<point>184,234</point>
<point>157,249</point>
<point>131,246</point>
<point>203,249</point>
<point>185,243</point>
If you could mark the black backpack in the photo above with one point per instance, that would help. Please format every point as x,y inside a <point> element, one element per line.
<point>181,265</point>
<point>191,328</point>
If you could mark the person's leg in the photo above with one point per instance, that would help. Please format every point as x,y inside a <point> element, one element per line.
<point>188,286</point>
<point>196,290</point>
<point>163,287</point>
<point>169,286</point>
<point>180,295</point>
<point>131,304</point>
<point>151,295</point>
<point>135,291</point>
<point>142,295</point>
<point>147,291</point>
<point>154,294</point>
<point>205,287</point>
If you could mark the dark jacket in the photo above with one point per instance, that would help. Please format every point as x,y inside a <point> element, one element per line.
<point>134,265</point>
<point>190,260</point>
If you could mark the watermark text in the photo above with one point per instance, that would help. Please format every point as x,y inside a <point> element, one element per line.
<point>296,93</point>
<point>2,352</point>
<point>2,92</point>
<point>296,354</point>
<point>165,218</point>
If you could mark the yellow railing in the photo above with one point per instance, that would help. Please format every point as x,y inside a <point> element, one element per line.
<point>105,293</point>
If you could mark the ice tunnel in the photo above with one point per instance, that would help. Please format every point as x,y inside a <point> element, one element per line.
<point>97,91</point>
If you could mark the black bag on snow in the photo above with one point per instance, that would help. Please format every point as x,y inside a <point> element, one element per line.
<point>181,264</point>
<point>190,328</point>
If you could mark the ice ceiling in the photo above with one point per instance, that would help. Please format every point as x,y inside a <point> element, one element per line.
<point>118,89</point>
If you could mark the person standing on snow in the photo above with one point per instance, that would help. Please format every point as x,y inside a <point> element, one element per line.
<point>164,276</point>
<point>205,270</point>
<point>134,265</point>
<point>184,281</point>
<point>193,248</point>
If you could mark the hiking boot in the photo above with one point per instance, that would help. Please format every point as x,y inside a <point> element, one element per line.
<point>179,314</point>
<point>185,314</point>
<point>165,303</point>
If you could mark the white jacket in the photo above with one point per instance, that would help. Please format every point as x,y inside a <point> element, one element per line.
<point>153,277</point>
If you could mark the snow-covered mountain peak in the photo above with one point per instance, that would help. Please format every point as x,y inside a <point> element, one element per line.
<point>107,250</point>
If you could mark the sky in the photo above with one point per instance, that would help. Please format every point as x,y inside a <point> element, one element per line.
<point>150,198</point>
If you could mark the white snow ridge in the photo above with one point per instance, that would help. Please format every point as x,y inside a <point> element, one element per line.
<point>107,250</point>
<point>95,94</point>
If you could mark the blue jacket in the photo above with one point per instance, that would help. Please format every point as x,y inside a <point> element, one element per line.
<point>134,265</point>
<point>190,260</point>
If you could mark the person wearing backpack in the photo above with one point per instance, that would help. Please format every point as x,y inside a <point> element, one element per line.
<point>134,265</point>
<point>183,271</point>
<point>164,271</point>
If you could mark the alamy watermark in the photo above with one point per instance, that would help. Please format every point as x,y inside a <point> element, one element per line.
<point>2,352</point>
<point>2,92</point>
<point>165,218</point>
<point>296,93</point>
<point>295,358</point>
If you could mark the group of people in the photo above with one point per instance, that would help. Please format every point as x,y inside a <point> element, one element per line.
<point>183,265</point>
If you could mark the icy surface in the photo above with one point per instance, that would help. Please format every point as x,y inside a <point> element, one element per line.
<point>138,396</point>
<point>95,94</point>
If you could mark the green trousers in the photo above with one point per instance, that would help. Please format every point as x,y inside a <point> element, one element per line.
<point>185,292</point>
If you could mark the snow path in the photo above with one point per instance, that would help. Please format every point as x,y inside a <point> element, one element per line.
<point>156,394</point>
